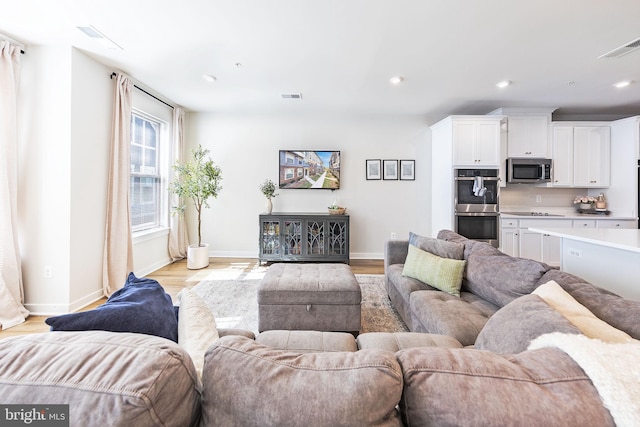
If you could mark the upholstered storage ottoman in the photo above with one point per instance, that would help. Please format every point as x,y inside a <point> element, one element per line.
<point>318,297</point>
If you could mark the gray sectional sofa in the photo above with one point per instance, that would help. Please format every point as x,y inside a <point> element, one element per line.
<point>484,358</point>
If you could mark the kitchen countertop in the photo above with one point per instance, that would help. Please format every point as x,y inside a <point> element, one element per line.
<point>626,239</point>
<point>518,212</point>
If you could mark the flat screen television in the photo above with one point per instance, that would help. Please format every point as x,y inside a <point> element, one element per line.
<point>309,169</point>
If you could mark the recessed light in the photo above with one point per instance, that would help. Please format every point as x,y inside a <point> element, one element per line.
<point>622,84</point>
<point>503,84</point>
<point>209,77</point>
<point>396,80</point>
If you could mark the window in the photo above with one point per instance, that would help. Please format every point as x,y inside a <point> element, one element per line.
<point>148,204</point>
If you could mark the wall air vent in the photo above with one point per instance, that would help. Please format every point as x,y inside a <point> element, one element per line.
<point>622,50</point>
<point>291,96</point>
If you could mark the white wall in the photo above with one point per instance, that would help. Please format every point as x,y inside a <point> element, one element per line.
<point>65,115</point>
<point>246,148</point>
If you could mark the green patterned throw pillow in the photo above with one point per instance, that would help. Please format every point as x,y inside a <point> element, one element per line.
<point>442,273</point>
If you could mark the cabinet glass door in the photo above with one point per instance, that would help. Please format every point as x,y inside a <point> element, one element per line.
<point>270,239</point>
<point>338,242</point>
<point>292,237</point>
<point>315,238</point>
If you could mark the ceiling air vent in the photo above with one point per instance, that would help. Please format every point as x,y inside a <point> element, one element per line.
<point>622,50</point>
<point>291,96</point>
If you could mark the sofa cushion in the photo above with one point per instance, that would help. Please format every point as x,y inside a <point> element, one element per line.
<point>141,306</point>
<point>439,247</point>
<point>248,384</point>
<point>437,312</point>
<point>619,312</point>
<point>500,278</point>
<point>513,327</point>
<point>196,327</point>
<point>308,341</point>
<point>106,378</point>
<point>441,273</point>
<point>579,315</point>
<point>466,387</point>
<point>396,341</point>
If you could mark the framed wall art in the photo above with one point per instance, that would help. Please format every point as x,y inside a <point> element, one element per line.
<point>408,170</point>
<point>374,169</point>
<point>390,169</point>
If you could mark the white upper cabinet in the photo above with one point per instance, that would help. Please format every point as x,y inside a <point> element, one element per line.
<point>476,142</point>
<point>528,131</point>
<point>581,156</point>
<point>528,136</point>
<point>591,154</point>
<point>562,156</point>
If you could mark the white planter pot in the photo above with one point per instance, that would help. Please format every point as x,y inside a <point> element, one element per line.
<point>198,256</point>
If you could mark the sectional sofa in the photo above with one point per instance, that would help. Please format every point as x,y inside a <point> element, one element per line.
<point>531,361</point>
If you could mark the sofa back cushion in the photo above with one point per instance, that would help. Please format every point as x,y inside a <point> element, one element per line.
<point>500,278</point>
<point>513,327</point>
<point>467,387</point>
<point>106,378</point>
<point>439,247</point>
<point>249,384</point>
<point>618,312</point>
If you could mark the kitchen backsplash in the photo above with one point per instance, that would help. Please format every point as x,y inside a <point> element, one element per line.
<point>526,195</point>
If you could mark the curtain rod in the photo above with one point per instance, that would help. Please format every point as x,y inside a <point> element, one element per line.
<point>150,94</point>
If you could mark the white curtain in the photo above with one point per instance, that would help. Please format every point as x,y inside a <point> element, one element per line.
<point>118,245</point>
<point>12,311</point>
<point>178,240</point>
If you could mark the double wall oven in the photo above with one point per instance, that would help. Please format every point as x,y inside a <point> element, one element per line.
<point>477,195</point>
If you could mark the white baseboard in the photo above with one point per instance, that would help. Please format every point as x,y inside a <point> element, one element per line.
<point>57,309</point>
<point>153,267</point>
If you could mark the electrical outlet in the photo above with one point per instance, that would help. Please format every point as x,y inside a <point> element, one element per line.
<point>538,198</point>
<point>48,272</point>
<point>393,236</point>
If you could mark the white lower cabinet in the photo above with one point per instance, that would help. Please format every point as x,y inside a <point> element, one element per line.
<point>617,223</point>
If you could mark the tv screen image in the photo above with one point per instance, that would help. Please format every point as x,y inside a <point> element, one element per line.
<point>309,169</point>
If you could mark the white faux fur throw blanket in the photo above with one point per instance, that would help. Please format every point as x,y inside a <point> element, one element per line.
<point>614,370</point>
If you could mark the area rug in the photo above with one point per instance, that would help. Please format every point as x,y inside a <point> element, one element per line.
<point>234,304</point>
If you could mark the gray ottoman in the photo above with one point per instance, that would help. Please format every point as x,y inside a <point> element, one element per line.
<point>319,297</point>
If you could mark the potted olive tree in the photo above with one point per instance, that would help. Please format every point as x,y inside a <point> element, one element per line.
<point>198,180</point>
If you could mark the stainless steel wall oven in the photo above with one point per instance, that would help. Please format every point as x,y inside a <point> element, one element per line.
<point>477,204</point>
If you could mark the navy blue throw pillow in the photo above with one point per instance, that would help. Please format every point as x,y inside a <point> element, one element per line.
<point>141,306</point>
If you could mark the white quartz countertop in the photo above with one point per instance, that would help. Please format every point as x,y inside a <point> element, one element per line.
<point>625,239</point>
<point>557,213</point>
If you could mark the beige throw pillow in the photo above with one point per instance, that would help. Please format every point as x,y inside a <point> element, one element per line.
<point>560,300</point>
<point>442,273</point>
<point>196,327</point>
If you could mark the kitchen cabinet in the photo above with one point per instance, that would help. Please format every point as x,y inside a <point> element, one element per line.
<point>581,156</point>
<point>541,247</point>
<point>509,241</point>
<point>617,223</point>
<point>528,136</point>
<point>476,142</point>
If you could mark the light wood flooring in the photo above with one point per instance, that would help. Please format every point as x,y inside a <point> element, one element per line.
<point>174,277</point>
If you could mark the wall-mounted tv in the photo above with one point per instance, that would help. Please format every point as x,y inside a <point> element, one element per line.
<point>309,169</point>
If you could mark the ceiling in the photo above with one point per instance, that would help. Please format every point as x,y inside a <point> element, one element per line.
<point>340,54</point>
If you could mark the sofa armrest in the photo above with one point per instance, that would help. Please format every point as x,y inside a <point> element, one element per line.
<point>395,252</point>
<point>223,332</point>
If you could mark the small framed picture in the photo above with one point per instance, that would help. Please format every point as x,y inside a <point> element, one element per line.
<point>408,170</point>
<point>374,169</point>
<point>390,169</point>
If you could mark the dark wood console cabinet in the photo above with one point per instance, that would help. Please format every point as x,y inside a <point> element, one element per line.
<point>312,237</point>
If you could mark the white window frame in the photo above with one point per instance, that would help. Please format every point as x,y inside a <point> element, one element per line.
<point>163,148</point>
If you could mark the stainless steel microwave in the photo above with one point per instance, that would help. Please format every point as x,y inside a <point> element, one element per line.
<point>528,170</point>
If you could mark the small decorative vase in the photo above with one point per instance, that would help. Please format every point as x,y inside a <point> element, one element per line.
<point>269,207</point>
<point>585,206</point>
